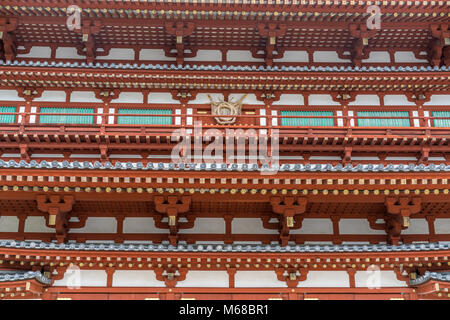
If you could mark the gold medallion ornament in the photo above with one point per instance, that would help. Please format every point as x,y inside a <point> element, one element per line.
<point>226,108</point>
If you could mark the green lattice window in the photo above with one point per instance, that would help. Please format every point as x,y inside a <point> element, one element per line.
<point>384,119</point>
<point>307,122</point>
<point>7,118</point>
<point>59,117</point>
<point>441,122</point>
<point>144,119</point>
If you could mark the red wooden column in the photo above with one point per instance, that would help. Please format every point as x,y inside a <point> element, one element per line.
<point>231,277</point>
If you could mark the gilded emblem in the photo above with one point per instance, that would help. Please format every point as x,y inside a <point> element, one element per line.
<point>227,110</point>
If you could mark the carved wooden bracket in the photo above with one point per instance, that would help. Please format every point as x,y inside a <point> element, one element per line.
<point>268,97</point>
<point>8,49</point>
<point>106,95</point>
<point>287,207</point>
<point>171,276</point>
<point>347,155</point>
<point>291,276</point>
<point>399,210</point>
<point>29,94</point>
<point>399,274</point>
<point>57,208</point>
<point>89,48</point>
<point>60,271</point>
<point>270,31</point>
<point>172,206</point>
<point>441,38</point>
<point>358,52</point>
<point>180,29</point>
<point>343,97</point>
<point>419,98</point>
<point>184,96</point>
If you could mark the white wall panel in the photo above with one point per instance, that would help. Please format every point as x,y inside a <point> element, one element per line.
<point>206,225</point>
<point>68,53</point>
<point>442,226</point>
<point>366,100</point>
<point>37,52</point>
<point>10,95</point>
<point>407,57</point>
<point>140,225</point>
<point>9,224</point>
<point>357,226</point>
<point>328,56</point>
<point>206,55</point>
<point>417,226</point>
<point>322,99</point>
<point>85,278</point>
<point>83,96</point>
<point>258,279</point>
<point>250,226</point>
<point>293,56</point>
<point>37,224</point>
<point>98,225</point>
<point>205,279</point>
<point>315,226</point>
<point>56,96</point>
<point>290,100</point>
<point>333,279</point>
<point>373,279</point>
<point>136,278</point>
<point>378,56</point>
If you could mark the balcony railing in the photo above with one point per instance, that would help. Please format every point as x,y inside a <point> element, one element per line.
<point>77,118</point>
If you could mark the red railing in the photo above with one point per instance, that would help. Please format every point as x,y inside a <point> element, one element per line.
<point>105,121</point>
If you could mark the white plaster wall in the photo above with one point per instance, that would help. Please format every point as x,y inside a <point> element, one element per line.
<point>397,100</point>
<point>83,278</point>
<point>154,54</point>
<point>136,278</point>
<point>83,96</point>
<point>161,97</point>
<point>442,226</point>
<point>37,52</point>
<point>249,226</point>
<point>417,226</point>
<point>258,279</point>
<point>118,54</point>
<point>129,97</point>
<point>56,96</point>
<point>378,56</point>
<point>290,100</point>
<point>98,225</point>
<point>206,55</point>
<point>439,100</point>
<point>366,100</point>
<point>407,57</point>
<point>241,55</point>
<point>322,99</point>
<point>315,226</point>
<point>357,226</point>
<point>140,225</point>
<point>328,56</point>
<point>293,56</point>
<point>332,279</point>
<point>9,224</point>
<point>205,279</point>
<point>372,279</point>
<point>37,224</point>
<point>68,53</point>
<point>10,95</point>
<point>206,225</point>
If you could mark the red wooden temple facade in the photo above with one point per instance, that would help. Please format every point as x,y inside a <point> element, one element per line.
<point>350,200</point>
